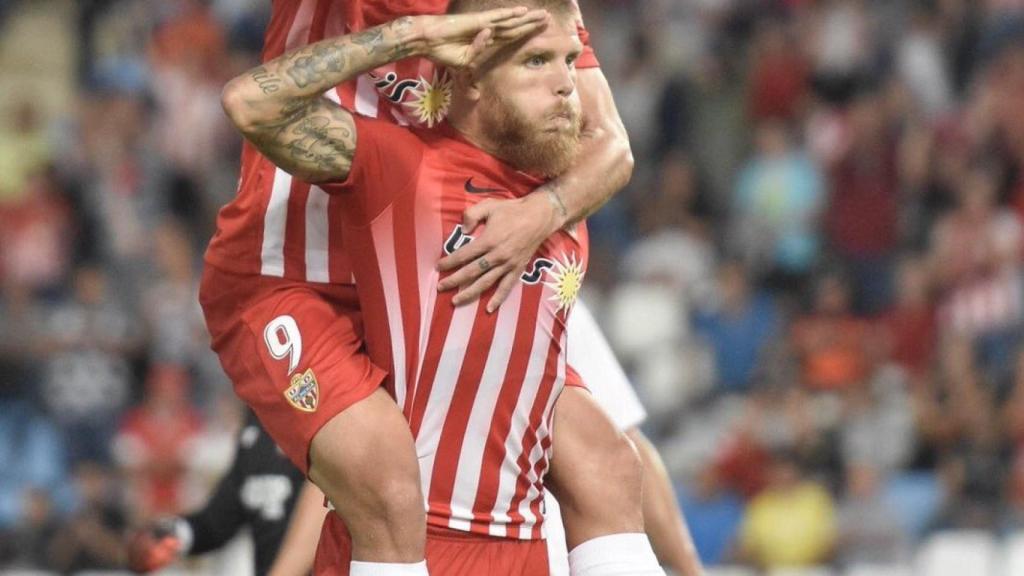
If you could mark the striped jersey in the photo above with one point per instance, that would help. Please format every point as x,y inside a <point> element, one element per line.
<point>280,226</point>
<point>477,388</point>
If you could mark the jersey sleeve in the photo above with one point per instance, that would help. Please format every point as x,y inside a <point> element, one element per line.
<point>587,59</point>
<point>385,164</point>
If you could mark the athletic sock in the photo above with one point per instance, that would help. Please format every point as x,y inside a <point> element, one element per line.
<point>383,569</point>
<point>615,555</point>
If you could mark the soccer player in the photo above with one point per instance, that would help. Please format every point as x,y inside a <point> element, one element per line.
<point>416,92</point>
<point>478,388</point>
<point>259,491</point>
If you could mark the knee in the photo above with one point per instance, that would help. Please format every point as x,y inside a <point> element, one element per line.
<point>623,458</point>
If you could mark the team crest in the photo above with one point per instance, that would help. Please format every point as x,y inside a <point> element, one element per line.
<point>566,280</point>
<point>304,392</point>
<point>430,100</point>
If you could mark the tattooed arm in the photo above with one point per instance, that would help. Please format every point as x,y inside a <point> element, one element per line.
<point>280,106</point>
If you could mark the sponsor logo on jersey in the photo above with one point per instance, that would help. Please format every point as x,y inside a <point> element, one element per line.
<point>565,274</point>
<point>431,99</point>
<point>566,280</point>
<point>304,392</point>
<point>473,189</point>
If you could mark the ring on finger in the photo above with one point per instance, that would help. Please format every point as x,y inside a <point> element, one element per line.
<point>484,264</point>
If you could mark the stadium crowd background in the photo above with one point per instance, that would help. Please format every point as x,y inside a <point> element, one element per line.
<point>814,277</point>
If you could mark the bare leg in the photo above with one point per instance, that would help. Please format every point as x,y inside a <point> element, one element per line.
<point>596,474</point>
<point>364,460</point>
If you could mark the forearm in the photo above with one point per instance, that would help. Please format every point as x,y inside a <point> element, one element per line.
<point>662,520</point>
<point>605,162</point>
<point>265,96</point>
<point>280,106</point>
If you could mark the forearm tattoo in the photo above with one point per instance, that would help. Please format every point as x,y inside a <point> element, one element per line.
<point>299,129</point>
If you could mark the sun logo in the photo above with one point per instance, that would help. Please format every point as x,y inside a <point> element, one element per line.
<point>566,281</point>
<point>430,101</point>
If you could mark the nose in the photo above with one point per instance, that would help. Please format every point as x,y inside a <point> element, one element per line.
<point>565,80</point>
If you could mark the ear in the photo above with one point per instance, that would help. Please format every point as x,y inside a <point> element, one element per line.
<point>467,83</point>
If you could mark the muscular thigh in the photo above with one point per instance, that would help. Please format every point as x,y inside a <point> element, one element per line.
<point>293,353</point>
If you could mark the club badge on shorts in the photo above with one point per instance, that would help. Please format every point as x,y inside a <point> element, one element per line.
<point>304,392</point>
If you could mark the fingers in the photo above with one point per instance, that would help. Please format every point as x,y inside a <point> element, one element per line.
<point>462,259</point>
<point>473,292</point>
<point>521,27</point>
<point>508,282</point>
<point>476,214</point>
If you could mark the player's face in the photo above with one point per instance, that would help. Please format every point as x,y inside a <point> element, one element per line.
<point>529,103</point>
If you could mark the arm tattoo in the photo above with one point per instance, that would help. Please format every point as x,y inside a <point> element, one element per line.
<point>266,80</point>
<point>316,141</point>
<point>370,39</point>
<point>311,68</point>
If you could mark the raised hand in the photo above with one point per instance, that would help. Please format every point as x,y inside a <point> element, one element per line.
<point>459,40</point>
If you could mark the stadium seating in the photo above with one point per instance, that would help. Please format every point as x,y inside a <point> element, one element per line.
<point>958,553</point>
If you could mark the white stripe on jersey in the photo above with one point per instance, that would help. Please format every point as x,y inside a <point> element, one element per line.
<point>367,97</point>
<point>317,268</point>
<point>274,224</point>
<point>384,243</point>
<point>520,419</point>
<point>481,417</point>
<point>443,389</point>
<point>532,493</point>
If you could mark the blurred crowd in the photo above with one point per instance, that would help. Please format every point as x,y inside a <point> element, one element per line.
<point>814,277</point>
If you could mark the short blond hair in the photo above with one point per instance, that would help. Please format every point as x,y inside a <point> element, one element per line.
<point>558,8</point>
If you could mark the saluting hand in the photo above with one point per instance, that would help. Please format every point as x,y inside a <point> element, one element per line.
<point>460,40</point>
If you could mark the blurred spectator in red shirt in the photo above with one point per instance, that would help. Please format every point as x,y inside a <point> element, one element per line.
<point>778,80</point>
<point>155,440</point>
<point>832,343</point>
<point>909,324</point>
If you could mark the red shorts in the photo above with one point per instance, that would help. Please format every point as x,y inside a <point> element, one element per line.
<point>449,553</point>
<point>293,351</point>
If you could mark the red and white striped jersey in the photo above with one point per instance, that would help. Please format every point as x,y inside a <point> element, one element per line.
<point>281,226</point>
<point>477,388</point>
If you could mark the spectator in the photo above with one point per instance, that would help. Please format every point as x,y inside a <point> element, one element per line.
<point>868,530</point>
<point>88,341</point>
<point>831,342</point>
<point>154,443</point>
<point>791,523</point>
<point>738,328</point>
<point>90,539</point>
<point>776,208</point>
<point>713,514</point>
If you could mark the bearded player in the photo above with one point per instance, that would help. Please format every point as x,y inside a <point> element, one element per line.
<point>477,388</point>
<point>415,92</point>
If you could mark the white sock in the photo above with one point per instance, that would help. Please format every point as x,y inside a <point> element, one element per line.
<point>615,555</point>
<point>382,569</point>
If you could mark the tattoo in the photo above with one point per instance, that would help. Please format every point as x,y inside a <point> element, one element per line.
<point>316,139</point>
<point>369,39</point>
<point>311,68</point>
<point>266,80</point>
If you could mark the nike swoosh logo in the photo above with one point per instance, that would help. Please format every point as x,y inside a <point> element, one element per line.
<point>474,190</point>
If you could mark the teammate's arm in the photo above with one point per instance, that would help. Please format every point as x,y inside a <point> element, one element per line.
<point>298,548</point>
<point>517,228</point>
<point>280,106</point>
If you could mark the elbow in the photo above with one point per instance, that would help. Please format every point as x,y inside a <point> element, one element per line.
<point>627,163</point>
<point>236,104</point>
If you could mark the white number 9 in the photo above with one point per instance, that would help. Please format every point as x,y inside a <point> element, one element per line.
<point>283,339</point>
